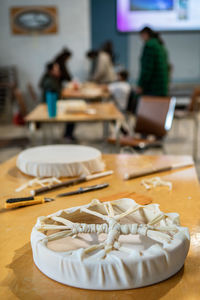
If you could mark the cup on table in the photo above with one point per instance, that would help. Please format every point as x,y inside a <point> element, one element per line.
<point>51,100</point>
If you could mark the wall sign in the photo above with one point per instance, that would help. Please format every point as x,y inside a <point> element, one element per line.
<point>33,19</point>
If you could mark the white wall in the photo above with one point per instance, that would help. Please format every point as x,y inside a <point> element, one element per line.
<point>30,53</point>
<point>184,54</point>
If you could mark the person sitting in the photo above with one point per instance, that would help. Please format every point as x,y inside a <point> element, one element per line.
<point>104,71</point>
<point>120,90</point>
<point>50,80</point>
<point>61,60</point>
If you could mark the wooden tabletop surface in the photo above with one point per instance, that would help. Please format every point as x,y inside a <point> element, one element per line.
<point>20,278</point>
<point>106,111</point>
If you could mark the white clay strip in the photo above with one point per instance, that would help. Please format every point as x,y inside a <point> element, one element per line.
<point>128,212</point>
<point>157,219</point>
<point>94,213</point>
<point>58,235</point>
<point>27,184</point>
<point>155,181</point>
<point>166,228</point>
<point>63,221</point>
<point>93,248</point>
<point>106,208</point>
<point>158,236</point>
<point>38,181</point>
<point>44,227</point>
<point>111,211</point>
<point>98,175</point>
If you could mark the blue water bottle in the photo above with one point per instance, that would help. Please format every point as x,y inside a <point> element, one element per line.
<point>51,99</point>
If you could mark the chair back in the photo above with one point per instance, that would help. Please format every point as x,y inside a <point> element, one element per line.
<point>32,92</point>
<point>155,115</point>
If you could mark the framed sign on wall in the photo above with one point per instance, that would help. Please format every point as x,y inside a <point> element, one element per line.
<point>34,19</point>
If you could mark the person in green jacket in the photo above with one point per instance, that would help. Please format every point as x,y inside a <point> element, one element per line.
<point>154,67</point>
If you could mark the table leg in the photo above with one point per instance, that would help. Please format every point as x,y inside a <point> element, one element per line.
<point>195,137</point>
<point>32,129</point>
<point>117,134</point>
<point>44,139</point>
<point>105,130</point>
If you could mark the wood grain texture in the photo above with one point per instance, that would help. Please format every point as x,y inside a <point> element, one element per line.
<point>20,278</point>
<point>104,112</point>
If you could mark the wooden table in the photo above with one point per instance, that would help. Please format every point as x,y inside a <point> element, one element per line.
<point>20,278</point>
<point>105,112</point>
<point>88,91</point>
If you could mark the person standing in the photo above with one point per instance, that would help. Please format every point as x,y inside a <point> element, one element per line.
<point>104,70</point>
<point>92,55</point>
<point>154,67</point>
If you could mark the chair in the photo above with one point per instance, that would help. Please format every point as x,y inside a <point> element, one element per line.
<point>8,80</point>
<point>191,113</point>
<point>154,120</point>
<point>32,92</point>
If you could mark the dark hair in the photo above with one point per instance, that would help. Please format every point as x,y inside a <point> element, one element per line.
<point>108,48</point>
<point>152,34</point>
<point>124,74</point>
<point>63,55</point>
<point>48,69</point>
<point>49,66</point>
<point>92,53</point>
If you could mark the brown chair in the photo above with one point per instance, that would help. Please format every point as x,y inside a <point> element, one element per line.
<point>191,113</point>
<point>32,92</point>
<point>154,120</point>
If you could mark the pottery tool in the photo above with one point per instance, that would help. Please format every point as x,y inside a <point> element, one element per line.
<point>70,182</point>
<point>82,190</point>
<point>25,201</point>
<point>149,171</point>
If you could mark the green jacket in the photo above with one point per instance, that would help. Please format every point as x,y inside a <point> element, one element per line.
<point>154,75</point>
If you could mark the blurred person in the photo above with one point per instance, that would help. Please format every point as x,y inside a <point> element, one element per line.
<point>154,68</point>
<point>92,56</point>
<point>51,80</point>
<point>104,70</point>
<point>109,49</point>
<point>120,90</point>
<point>62,59</point>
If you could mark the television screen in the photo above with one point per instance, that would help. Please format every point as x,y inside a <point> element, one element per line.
<point>160,15</point>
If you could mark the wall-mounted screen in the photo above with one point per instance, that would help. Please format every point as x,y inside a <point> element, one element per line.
<point>161,15</point>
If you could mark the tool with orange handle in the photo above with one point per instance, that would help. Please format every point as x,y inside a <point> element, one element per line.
<point>25,201</point>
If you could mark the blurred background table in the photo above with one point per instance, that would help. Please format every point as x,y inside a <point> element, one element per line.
<point>100,112</point>
<point>20,278</point>
<point>87,91</point>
